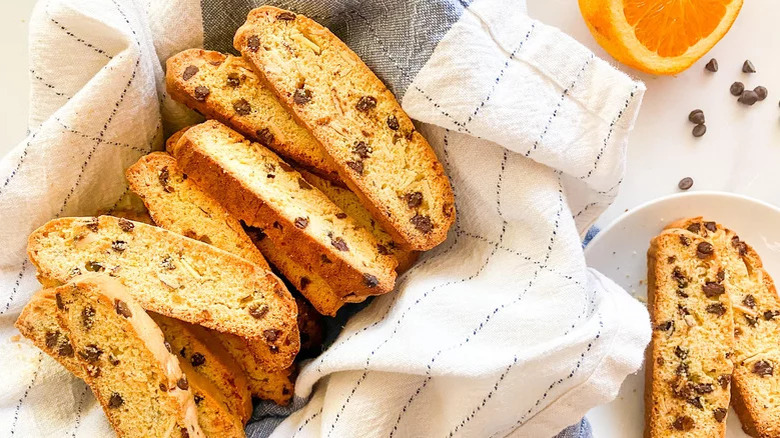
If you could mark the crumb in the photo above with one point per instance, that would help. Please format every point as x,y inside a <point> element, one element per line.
<point>16,338</point>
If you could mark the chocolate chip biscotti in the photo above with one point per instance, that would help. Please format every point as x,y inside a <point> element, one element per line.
<point>361,127</point>
<point>756,382</point>
<point>225,88</point>
<point>689,362</point>
<point>124,360</point>
<point>257,187</point>
<point>172,275</point>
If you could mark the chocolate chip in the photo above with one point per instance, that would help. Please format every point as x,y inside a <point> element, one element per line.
<point>413,200</point>
<point>184,433</point>
<point>253,43</point>
<point>182,383</point>
<point>712,226</point>
<point>392,122</point>
<point>167,263</point>
<point>302,96</point>
<point>751,320</point>
<point>265,137</point>
<point>91,353</point>
<point>115,401</point>
<point>65,349</point>
<point>740,246</point>
<point>271,335</point>
<point>258,311</point>
<point>58,299</point>
<point>699,130</point>
<point>325,259</point>
<point>278,226</point>
<point>341,215</point>
<point>198,398</point>
<point>382,249</point>
<point>696,401</point>
<point>301,222</point>
<point>720,414</point>
<point>694,228</point>
<point>189,72</point>
<point>724,380</point>
<point>721,275</point>
<point>87,317</point>
<point>748,67</point>
<point>761,92</point>
<point>712,65</point>
<point>242,107</point>
<point>271,176</point>
<point>771,314</point>
<point>339,244</point>
<point>660,361</point>
<point>305,282</point>
<point>713,290</point>
<point>737,88</point>
<point>680,352</point>
<point>681,369</point>
<point>684,240</point>
<point>119,245</point>
<point>303,184</point>
<point>125,225</point>
<point>370,281</point>
<point>233,80</point>
<point>164,177</point>
<point>113,360</point>
<point>422,223</point>
<point>749,301</point>
<point>748,97</point>
<point>704,250</point>
<point>685,183</point>
<point>122,308</point>
<point>684,423</point>
<point>696,116</point>
<point>716,309</point>
<point>366,103</point>
<point>361,149</point>
<point>703,388</point>
<point>201,93</point>
<point>763,368</point>
<point>286,16</point>
<point>357,166</point>
<point>51,339</point>
<point>285,390</point>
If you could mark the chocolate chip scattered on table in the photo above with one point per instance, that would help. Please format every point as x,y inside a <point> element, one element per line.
<point>712,65</point>
<point>697,116</point>
<point>748,67</point>
<point>737,88</point>
<point>685,183</point>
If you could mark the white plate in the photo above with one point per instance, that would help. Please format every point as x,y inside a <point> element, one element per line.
<point>619,250</point>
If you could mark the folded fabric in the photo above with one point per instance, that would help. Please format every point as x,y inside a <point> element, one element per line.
<point>502,330</point>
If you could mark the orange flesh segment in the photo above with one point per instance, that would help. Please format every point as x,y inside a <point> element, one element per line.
<point>670,27</point>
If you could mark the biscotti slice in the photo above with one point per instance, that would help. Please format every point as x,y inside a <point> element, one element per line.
<point>173,275</point>
<point>225,88</point>
<point>199,348</point>
<point>276,386</point>
<point>214,416</point>
<point>689,361</point>
<point>134,377</point>
<point>361,127</point>
<point>346,200</point>
<point>254,185</point>
<point>312,329</point>
<point>756,382</point>
<point>177,204</point>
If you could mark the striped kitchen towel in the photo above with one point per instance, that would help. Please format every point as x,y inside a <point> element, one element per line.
<point>501,331</point>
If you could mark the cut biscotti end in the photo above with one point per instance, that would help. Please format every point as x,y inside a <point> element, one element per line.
<point>172,275</point>
<point>372,142</point>
<point>689,363</point>
<point>257,187</point>
<point>225,88</point>
<point>177,204</point>
<point>207,357</point>
<point>174,138</point>
<point>214,416</point>
<point>125,360</point>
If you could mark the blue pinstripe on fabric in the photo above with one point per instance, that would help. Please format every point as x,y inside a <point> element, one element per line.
<point>72,35</point>
<point>18,164</point>
<point>26,392</point>
<point>86,136</point>
<point>611,130</point>
<point>306,422</point>
<point>79,409</point>
<point>16,286</point>
<point>48,85</point>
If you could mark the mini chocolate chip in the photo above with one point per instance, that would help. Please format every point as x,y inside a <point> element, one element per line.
<point>696,401</point>
<point>189,72</point>
<point>422,223</point>
<point>696,116</point>
<point>721,275</point>
<point>286,16</point>
<point>739,245</point>
<point>737,88</point>
<point>273,349</point>
<point>684,240</point>
<point>716,309</point>
<point>699,130</point>
<point>164,177</point>
<point>75,271</point>
<point>370,280</point>
<point>271,335</point>
<point>703,388</point>
<point>749,301</point>
<point>119,245</point>
<point>681,369</point>
<point>302,96</point>
<point>680,352</point>
<point>278,226</point>
<point>712,226</point>
<point>52,338</point>
<point>253,43</point>
<point>720,414</point>
<point>712,65</point>
<point>305,282</point>
<point>91,353</point>
<point>341,215</point>
<point>357,166</point>
<point>366,103</point>
<point>761,92</point>
<point>712,289</point>
<point>87,317</point>
<point>339,244</point>
<point>413,200</point>
<point>270,167</point>
<point>115,401</point>
<point>242,107</point>
<point>325,259</point>
<point>122,308</point>
<point>392,122</point>
<point>197,359</point>
<point>285,390</point>
<point>682,294</point>
<point>271,176</point>
<point>182,383</point>
<point>301,222</point>
<point>113,360</point>
<point>748,67</point>
<point>704,250</point>
<point>167,263</point>
<point>303,184</point>
<point>724,380</point>
<point>361,149</point>
<point>660,361</point>
<point>771,314</point>
<point>685,183</point>
<point>751,320</point>
<point>125,225</point>
<point>265,137</point>
<point>684,423</point>
<point>92,224</point>
<point>763,368</point>
<point>694,228</point>
<point>201,93</point>
<point>198,398</point>
<point>184,432</point>
<point>382,249</point>
<point>233,80</point>
<point>258,311</point>
<point>748,97</point>
<point>65,349</point>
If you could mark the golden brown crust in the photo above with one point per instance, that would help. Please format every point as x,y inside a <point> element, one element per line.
<point>238,99</point>
<point>214,415</point>
<point>361,127</point>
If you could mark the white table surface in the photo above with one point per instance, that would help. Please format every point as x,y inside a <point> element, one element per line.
<point>740,152</point>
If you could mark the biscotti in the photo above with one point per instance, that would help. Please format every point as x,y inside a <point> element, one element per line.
<point>225,88</point>
<point>214,416</point>
<point>276,386</point>
<point>172,275</point>
<point>312,329</point>
<point>756,382</point>
<point>361,127</point>
<point>125,361</point>
<point>689,363</point>
<point>199,348</point>
<point>177,204</point>
<point>257,187</point>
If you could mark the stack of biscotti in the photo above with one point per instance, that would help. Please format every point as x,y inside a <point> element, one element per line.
<point>689,361</point>
<point>756,380</point>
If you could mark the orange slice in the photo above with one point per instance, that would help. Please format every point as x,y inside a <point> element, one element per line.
<point>659,36</point>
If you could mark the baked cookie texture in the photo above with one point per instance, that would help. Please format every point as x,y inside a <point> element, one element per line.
<point>690,361</point>
<point>225,88</point>
<point>756,381</point>
<point>370,140</point>
<point>174,276</point>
